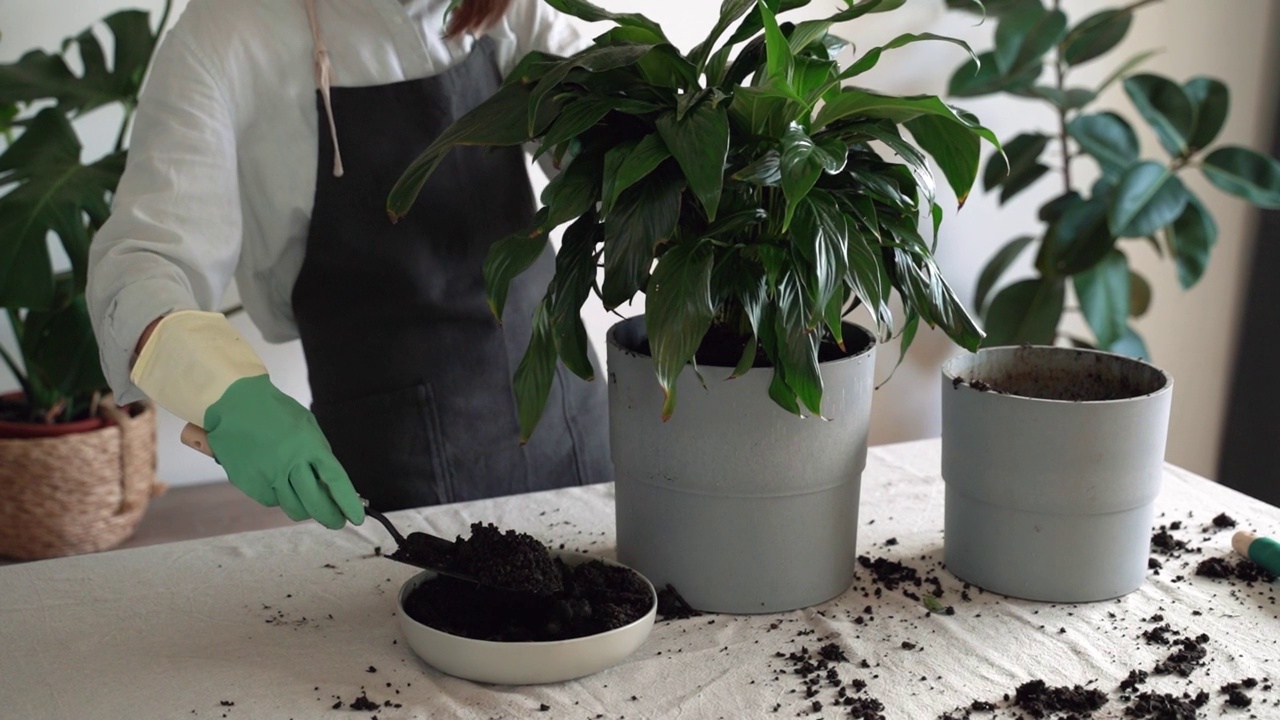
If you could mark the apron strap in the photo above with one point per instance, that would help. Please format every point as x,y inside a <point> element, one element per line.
<point>324,76</point>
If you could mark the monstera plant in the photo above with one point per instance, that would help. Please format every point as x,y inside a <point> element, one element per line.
<point>1037,53</point>
<point>744,187</point>
<point>50,189</point>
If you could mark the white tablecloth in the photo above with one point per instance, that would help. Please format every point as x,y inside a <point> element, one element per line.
<point>285,623</point>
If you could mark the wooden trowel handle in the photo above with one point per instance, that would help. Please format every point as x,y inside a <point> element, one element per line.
<point>196,438</point>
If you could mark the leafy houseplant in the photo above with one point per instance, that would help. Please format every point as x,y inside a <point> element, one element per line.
<point>47,189</point>
<point>737,186</point>
<point>1133,198</point>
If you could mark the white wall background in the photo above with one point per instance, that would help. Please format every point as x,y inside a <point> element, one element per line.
<point>1192,335</point>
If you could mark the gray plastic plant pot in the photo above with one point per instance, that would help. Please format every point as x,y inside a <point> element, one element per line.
<point>1053,458</point>
<point>739,505</point>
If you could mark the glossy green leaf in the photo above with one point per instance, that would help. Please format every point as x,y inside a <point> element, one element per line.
<point>1069,99</point>
<point>821,234</point>
<point>59,348</point>
<point>871,57</point>
<point>1190,238</point>
<point>1096,35</point>
<point>1246,174</point>
<point>856,102</point>
<point>50,193</point>
<point>1021,159</point>
<point>508,258</point>
<point>1025,35</point>
<point>628,163</point>
<point>1077,241</point>
<point>1051,211</point>
<point>730,11</point>
<point>748,359</point>
<point>581,114</point>
<point>806,33</point>
<point>983,78</point>
<point>1025,312</point>
<point>501,120</point>
<point>1139,295</point>
<point>573,191</point>
<point>870,280</point>
<point>800,166</point>
<point>798,345</point>
<point>1166,108</point>
<point>924,290</point>
<point>996,267</point>
<point>763,112</point>
<point>1211,100</point>
<point>1148,197</point>
<point>584,10</point>
<point>1103,291</point>
<point>1108,139</point>
<point>778,57</point>
<point>593,60</point>
<point>765,170</point>
<point>575,276</point>
<point>644,215</point>
<point>678,312</point>
<point>953,147</point>
<point>909,330</point>
<point>699,143</point>
<point>531,383</point>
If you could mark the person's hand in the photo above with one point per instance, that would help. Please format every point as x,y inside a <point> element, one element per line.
<point>198,367</point>
<point>273,451</point>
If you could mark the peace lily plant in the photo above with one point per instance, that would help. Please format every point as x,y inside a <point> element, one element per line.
<point>741,185</point>
<point>1036,56</point>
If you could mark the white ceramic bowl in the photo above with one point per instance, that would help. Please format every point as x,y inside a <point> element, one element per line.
<point>524,663</point>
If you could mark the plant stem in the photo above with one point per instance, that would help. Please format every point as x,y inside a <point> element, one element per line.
<point>1061,77</point>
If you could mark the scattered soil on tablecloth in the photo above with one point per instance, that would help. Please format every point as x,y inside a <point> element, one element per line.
<point>594,598</point>
<point>1243,569</point>
<point>1039,700</point>
<point>511,560</point>
<point>817,671</point>
<point>1167,706</point>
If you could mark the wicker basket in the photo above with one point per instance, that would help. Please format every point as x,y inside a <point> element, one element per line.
<point>77,493</point>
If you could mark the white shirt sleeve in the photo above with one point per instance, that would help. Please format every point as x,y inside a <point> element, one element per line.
<point>173,238</point>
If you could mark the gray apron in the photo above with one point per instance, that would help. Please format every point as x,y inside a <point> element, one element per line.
<point>410,373</point>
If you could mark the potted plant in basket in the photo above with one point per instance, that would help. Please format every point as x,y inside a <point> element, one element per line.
<point>76,471</point>
<point>1053,456</point>
<point>740,188</point>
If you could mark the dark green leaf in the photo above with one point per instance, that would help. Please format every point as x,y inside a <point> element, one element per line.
<point>733,224</point>
<point>1211,101</point>
<point>730,10</point>
<point>1077,241</point>
<point>1191,237</point>
<point>924,290</point>
<point>52,192</point>
<point>821,234</point>
<point>748,359</point>
<point>583,113</point>
<point>778,57</point>
<point>699,143</point>
<point>574,278</point>
<point>1103,291</point>
<point>797,356</point>
<point>1148,197</point>
<point>1095,35</point>
<point>1124,69</point>
<point>1108,139</point>
<point>593,60</point>
<point>953,147</point>
<point>1025,312</point>
<point>59,347</point>
<point>855,102</point>
<point>871,58</point>
<point>996,267</point>
<point>508,258</point>
<point>1069,99</point>
<point>678,311</point>
<point>1139,295</point>
<point>644,215</point>
<point>766,170</point>
<point>806,33</point>
<point>501,120</point>
<point>584,10</point>
<point>627,164</point>
<point>800,168</point>
<point>870,280</point>
<point>1020,161</point>
<point>574,191</point>
<point>908,337</point>
<point>1246,174</point>
<point>983,78</point>
<point>1025,35</point>
<point>532,380</point>
<point>913,159</point>
<point>1166,108</point>
<point>1051,211</point>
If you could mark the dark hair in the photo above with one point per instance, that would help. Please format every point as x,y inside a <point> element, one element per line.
<point>474,15</point>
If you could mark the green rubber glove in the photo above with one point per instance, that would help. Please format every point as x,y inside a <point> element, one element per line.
<point>274,451</point>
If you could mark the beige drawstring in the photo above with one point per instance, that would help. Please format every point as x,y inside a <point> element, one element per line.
<point>324,75</point>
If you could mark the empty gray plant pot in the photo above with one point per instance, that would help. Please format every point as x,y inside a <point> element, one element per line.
<point>1052,458</point>
<point>735,502</point>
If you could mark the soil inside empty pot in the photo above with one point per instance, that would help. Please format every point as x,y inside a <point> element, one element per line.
<point>1061,374</point>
